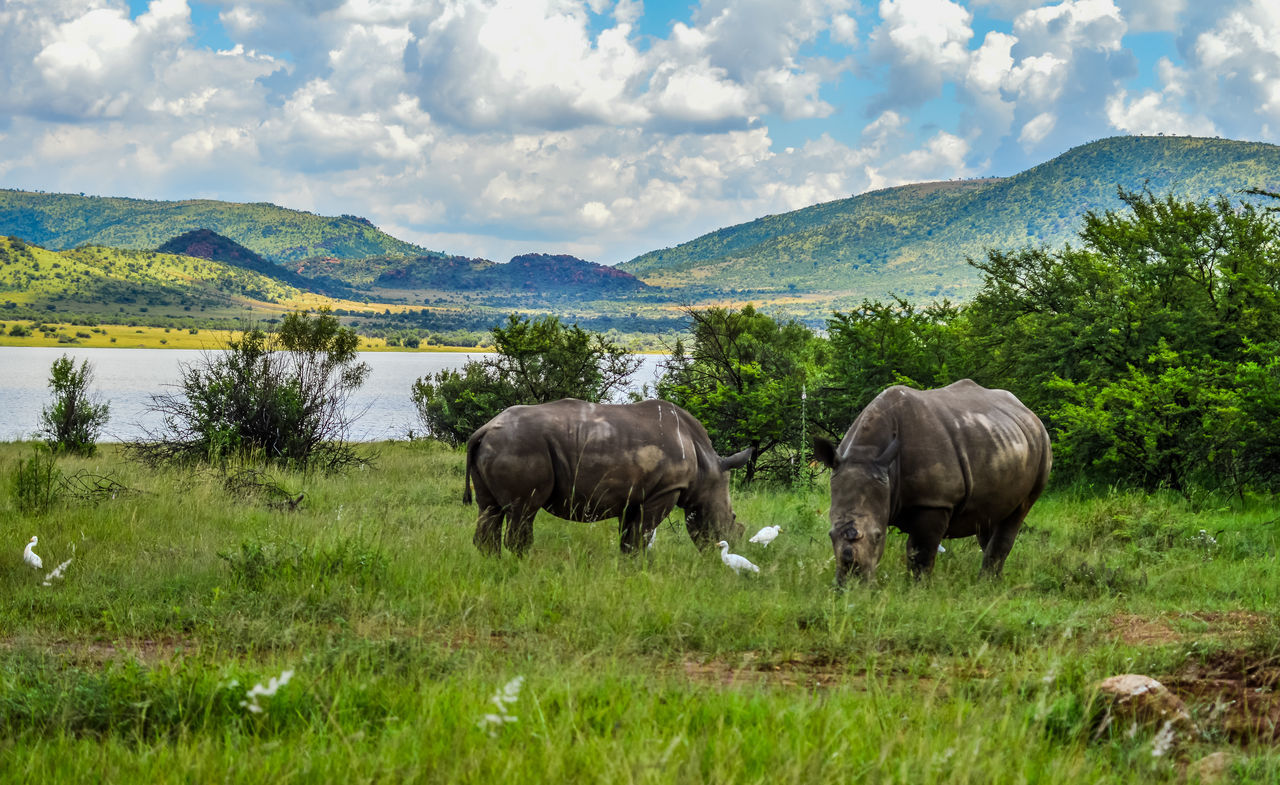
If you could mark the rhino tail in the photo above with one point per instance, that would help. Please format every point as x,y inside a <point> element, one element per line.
<point>473,444</point>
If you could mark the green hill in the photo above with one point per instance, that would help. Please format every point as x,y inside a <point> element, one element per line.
<point>61,221</point>
<point>913,240</point>
<point>204,244</point>
<point>109,281</point>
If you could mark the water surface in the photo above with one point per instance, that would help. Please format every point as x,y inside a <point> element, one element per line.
<point>127,378</point>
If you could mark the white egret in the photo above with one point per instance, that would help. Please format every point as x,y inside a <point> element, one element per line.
<point>29,556</point>
<point>733,561</point>
<point>766,535</point>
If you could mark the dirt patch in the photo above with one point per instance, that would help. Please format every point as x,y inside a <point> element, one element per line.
<point>1136,630</point>
<point>1237,693</point>
<point>95,653</point>
<point>751,668</point>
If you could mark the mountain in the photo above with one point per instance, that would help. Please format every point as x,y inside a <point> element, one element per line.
<point>913,240</point>
<point>114,283</point>
<point>61,221</point>
<point>206,244</point>
<point>542,275</point>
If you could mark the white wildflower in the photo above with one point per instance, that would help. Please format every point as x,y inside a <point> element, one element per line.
<point>259,691</point>
<point>502,699</point>
<point>1205,539</point>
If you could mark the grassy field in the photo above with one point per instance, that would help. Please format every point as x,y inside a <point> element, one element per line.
<point>119,336</point>
<point>187,591</point>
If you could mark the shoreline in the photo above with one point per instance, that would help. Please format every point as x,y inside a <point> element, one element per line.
<point>123,336</point>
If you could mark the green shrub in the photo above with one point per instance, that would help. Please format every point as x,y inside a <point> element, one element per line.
<point>537,361</point>
<point>278,397</point>
<point>36,483</point>
<point>73,421</point>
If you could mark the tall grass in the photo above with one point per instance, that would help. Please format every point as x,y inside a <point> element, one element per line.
<point>663,668</point>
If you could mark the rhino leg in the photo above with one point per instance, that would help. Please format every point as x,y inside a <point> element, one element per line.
<point>924,528</point>
<point>637,522</point>
<point>488,536</point>
<point>519,534</point>
<point>1001,540</point>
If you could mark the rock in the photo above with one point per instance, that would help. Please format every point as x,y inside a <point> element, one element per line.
<point>1141,700</point>
<point>1210,769</point>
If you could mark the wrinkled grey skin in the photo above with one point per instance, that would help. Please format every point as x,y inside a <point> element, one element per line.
<point>937,464</point>
<point>589,461</point>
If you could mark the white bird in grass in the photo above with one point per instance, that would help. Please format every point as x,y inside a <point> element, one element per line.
<point>734,561</point>
<point>766,535</point>
<point>29,556</point>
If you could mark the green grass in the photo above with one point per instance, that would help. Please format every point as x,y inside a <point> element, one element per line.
<point>666,668</point>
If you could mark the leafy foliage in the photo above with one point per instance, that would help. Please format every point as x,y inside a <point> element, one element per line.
<point>277,397</point>
<point>36,482</point>
<point>879,344</point>
<point>73,421</point>
<point>537,360</point>
<point>745,377</point>
<point>1149,347</point>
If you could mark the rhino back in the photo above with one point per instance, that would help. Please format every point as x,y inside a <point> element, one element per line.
<point>980,452</point>
<point>597,457</point>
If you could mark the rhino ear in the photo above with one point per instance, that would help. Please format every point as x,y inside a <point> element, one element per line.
<point>735,461</point>
<point>885,458</point>
<point>825,451</point>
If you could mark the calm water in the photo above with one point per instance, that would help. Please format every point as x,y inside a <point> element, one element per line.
<point>126,379</point>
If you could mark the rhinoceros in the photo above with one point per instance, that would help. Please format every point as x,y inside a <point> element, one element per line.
<point>589,461</point>
<point>957,461</point>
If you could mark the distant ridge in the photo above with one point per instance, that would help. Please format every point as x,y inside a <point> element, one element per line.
<point>554,275</point>
<point>62,221</point>
<point>913,240</point>
<point>207,244</point>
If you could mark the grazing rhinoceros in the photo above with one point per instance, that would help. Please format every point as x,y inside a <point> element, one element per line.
<point>953,462</point>
<point>589,461</point>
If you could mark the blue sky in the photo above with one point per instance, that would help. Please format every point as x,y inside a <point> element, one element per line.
<point>602,128</point>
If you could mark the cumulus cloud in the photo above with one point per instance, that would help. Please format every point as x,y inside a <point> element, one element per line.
<point>492,127</point>
<point>924,43</point>
<point>1152,15</point>
<point>1233,69</point>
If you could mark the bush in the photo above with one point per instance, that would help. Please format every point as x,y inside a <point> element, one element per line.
<point>35,484</point>
<point>73,421</point>
<point>537,361</point>
<point>278,397</point>
<point>745,378</point>
<point>20,331</point>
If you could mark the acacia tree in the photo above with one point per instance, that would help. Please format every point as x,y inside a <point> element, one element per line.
<point>73,421</point>
<point>535,361</point>
<point>744,375</point>
<point>280,397</point>
<point>883,343</point>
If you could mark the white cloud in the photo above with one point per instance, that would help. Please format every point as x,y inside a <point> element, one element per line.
<point>1152,15</point>
<point>1232,73</point>
<point>925,43</point>
<point>1037,128</point>
<point>941,158</point>
<point>492,127</point>
<point>1152,113</point>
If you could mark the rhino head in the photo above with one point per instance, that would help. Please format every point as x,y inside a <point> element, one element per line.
<point>708,514</point>
<point>861,501</point>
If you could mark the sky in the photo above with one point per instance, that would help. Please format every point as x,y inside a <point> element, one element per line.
<point>601,128</point>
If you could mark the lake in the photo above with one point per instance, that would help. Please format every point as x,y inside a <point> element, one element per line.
<point>127,378</point>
